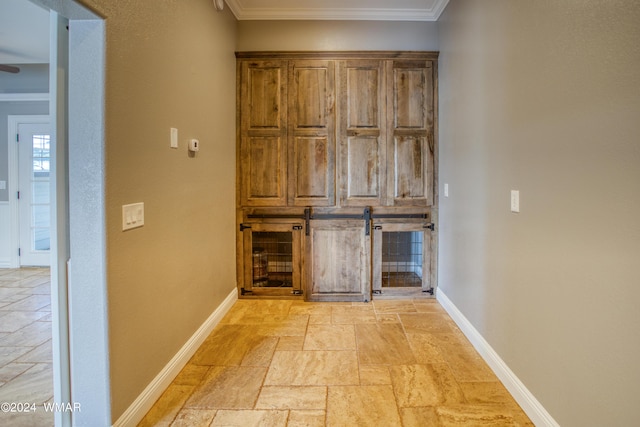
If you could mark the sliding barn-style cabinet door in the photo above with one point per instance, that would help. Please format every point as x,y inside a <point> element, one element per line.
<point>338,261</point>
<point>263,133</point>
<point>362,133</point>
<point>311,133</point>
<point>411,143</point>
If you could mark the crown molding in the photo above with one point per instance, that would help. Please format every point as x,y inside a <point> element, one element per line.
<point>243,13</point>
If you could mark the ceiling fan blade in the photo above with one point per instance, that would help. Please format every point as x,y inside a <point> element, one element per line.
<point>9,69</point>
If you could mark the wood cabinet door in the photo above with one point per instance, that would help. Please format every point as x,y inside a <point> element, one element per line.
<point>362,133</point>
<point>338,262</point>
<point>410,120</point>
<point>311,133</point>
<point>263,133</point>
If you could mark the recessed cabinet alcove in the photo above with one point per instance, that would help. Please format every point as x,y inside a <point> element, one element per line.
<point>336,163</point>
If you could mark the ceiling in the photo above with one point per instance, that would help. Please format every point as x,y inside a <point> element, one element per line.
<point>24,27</point>
<point>24,33</point>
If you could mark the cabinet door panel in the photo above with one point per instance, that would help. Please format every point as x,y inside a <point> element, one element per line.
<point>410,175</point>
<point>263,133</point>
<point>363,152</point>
<point>311,99</point>
<point>311,168</point>
<point>265,177</point>
<point>363,96</point>
<point>411,170</point>
<point>265,103</point>
<point>311,180</point>
<point>363,160</point>
<point>409,98</point>
<point>339,262</point>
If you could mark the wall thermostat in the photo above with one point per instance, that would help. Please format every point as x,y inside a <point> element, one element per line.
<point>194,145</point>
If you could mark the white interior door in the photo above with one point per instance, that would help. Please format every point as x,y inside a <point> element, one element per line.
<point>34,165</point>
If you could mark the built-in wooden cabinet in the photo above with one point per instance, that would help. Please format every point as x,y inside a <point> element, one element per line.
<point>332,141</point>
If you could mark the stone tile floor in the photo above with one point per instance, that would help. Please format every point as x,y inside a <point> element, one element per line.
<point>292,363</point>
<point>26,374</point>
<point>284,363</point>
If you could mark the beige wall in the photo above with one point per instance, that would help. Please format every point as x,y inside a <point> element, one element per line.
<point>544,97</point>
<point>336,35</point>
<point>169,64</point>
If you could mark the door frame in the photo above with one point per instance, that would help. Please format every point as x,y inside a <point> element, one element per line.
<point>79,294</point>
<point>78,273</point>
<point>81,355</point>
<point>13,121</point>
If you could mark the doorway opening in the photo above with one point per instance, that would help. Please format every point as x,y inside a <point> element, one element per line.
<point>33,138</point>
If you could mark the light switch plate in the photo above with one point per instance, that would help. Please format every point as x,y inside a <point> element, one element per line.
<point>132,216</point>
<point>515,201</point>
<point>174,138</point>
<point>3,185</point>
<point>446,190</point>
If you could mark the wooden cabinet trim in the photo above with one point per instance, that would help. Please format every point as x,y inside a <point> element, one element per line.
<point>374,54</point>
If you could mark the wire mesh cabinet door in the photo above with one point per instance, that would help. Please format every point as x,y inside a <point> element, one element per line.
<point>272,263</point>
<point>401,257</point>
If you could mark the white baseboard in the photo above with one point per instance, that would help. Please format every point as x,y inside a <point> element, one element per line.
<point>5,263</point>
<point>139,408</point>
<point>530,405</point>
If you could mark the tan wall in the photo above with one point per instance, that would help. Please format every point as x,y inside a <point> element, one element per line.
<point>169,64</point>
<point>544,97</point>
<point>336,35</point>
